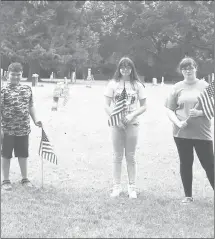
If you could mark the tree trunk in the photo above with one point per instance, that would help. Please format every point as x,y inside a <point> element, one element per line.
<point>29,73</point>
<point>34,67</point>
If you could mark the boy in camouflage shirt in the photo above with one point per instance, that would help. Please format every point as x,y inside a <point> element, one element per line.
<point>17,106</point>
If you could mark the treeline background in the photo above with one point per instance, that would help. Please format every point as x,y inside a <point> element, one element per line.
<point>67,36</point>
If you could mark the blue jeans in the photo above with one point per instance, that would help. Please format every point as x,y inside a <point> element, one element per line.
<point>124,142</point>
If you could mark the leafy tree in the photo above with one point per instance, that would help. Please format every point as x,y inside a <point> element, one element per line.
<point>65,36</point>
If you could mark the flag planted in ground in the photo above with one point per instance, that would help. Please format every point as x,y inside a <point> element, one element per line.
<point>206,100</point>
<point>119,109</point>
<point>46,149</point>
<point>66,95</point>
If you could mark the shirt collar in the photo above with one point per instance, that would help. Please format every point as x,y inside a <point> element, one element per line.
<point>12,86</point>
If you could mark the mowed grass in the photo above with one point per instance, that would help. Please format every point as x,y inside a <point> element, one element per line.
<point>75,202</point>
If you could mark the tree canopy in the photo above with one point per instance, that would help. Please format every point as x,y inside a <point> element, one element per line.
<point>68,35</point>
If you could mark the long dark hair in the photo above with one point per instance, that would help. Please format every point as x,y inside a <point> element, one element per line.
<point>126,61</point>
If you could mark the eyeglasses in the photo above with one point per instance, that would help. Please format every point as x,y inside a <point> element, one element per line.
<point>128,68</point>
<point>189,68</point>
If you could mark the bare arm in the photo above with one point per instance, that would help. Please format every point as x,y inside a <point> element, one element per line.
<point>33,116</point>
<point>107,105</point>
<point>173,118</point>
<point>141,109</point>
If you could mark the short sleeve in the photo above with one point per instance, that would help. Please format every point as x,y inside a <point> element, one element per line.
<point>109,90</point>
<point>141,91</point>
<point>171,100</point>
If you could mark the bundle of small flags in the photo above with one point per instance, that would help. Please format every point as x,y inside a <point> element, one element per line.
<point>66,95</point>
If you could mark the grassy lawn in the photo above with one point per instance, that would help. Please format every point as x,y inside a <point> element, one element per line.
<point>75,199</point>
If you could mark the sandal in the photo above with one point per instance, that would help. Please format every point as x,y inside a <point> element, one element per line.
<point>26,183</point>
<point>6,185</point>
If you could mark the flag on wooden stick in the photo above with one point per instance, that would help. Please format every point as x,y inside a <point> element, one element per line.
<point>46,149</point>
<point>206,100</point>
<point>66,95</point>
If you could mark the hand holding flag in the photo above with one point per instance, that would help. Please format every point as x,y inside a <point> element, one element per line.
<point>206,101</point>
<point>118,114</point>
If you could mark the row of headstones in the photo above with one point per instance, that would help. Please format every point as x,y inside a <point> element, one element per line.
<point>73,76</point>
<point>155,81</point>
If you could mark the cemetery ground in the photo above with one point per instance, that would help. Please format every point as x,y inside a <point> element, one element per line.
<point>75,202</point>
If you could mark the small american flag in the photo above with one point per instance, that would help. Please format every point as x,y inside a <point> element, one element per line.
<point>46,150</point>
<point>206,100</point>
<point>66,95</point>
<point>118,110</point>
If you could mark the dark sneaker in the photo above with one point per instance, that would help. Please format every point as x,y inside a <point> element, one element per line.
<point>6,185</point>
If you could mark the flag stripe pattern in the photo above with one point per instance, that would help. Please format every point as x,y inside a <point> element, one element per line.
<point>206,100</point>
<point>46,150</point>
<point>66,98</point>
<point>118,110</point>
<point>66,95</point>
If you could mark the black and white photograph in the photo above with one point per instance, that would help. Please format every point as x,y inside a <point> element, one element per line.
<point>107,119</point>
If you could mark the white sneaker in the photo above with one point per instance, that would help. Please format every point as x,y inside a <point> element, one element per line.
<point>132,192</point>
<point>187,200</point>
<point>116,191</point>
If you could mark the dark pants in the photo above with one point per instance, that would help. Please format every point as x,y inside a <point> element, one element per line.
<point>204,151</point>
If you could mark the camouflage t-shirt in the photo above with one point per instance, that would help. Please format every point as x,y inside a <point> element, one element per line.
<point>16,101</point>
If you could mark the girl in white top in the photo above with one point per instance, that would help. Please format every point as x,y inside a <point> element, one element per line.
<point>125,134</point>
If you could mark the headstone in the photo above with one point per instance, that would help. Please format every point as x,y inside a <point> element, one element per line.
<point>34,79</point>
<point>52,76</point>
<point>162,80</point>
<point>73,77</point>
<point>65,80</point>
<point>154,81</point>
<point>89,72</point>
<point>89,79</point>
